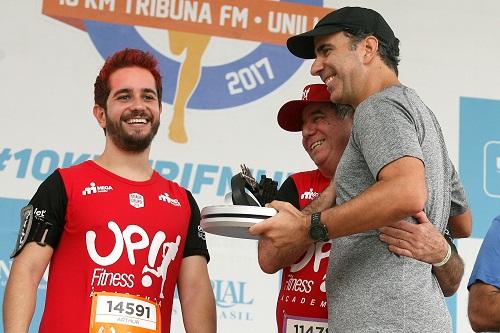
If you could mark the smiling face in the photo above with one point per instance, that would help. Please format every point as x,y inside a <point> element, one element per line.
<point>340,67</point>
<point>324,135</point>
<point>132,114</point>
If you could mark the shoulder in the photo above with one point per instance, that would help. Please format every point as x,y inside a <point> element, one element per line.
<point>390,96</point>
<point>77,168</point>
<point>493,234</point>
<point>305,174</point>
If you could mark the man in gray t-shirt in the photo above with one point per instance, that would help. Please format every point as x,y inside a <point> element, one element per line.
<point>395,166</point>
<point>404,296</point>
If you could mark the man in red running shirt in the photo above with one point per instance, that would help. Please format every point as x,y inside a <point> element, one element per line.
<point>119,237</point>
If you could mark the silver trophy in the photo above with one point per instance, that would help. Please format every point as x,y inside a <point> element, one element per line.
<point>243,206</point>
<point>246,191</point>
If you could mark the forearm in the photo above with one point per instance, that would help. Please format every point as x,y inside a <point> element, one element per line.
<point>450,274</point>
<point>272,259</point>
<point>484,307</point>
<point>325,200</point>
<point>381,205</point>
<point>198,311</point>
<point>196,296</point>
<point>19,302</point>
<point>20,293</point>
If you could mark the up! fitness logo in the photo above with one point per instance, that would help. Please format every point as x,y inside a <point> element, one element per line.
<point>194,76</point>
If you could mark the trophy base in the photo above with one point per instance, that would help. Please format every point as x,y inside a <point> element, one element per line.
<point>233,220</point>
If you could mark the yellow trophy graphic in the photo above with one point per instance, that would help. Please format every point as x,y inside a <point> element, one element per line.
<point>189,76</point>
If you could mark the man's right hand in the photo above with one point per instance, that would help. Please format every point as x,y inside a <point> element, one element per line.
<point>420,241</point>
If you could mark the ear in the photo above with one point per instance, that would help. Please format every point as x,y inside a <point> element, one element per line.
<point>370,49</point>
<point>100,115</point>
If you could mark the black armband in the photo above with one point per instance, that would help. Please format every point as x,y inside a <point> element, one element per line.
<point>34,228</point>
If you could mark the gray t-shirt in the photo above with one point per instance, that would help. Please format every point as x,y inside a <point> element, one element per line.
<point>369,288</point>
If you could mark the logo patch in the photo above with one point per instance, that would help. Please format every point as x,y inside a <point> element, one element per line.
<point>309,195</point>
<point>305,93</point>
<point>201,232</point>
<point>165,197</point>
<point>136,200</point>
<point>93,188</point>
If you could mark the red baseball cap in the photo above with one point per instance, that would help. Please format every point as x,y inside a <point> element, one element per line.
<point>290,114</point>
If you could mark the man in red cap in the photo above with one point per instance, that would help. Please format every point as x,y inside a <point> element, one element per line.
<point>326,128</point>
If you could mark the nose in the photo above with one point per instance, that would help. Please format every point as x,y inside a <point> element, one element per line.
<point>308,129</point>
<point>138,104</point>
<point>316,67</point>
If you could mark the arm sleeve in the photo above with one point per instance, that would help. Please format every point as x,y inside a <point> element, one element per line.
<point>195,242</point>
<point>458,198</point>
<point>487,266</point>
<point>385,131</point>
<point>43,219</point>
<point>288,192</point>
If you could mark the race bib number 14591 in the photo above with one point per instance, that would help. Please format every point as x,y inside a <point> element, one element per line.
<point>117,313</point>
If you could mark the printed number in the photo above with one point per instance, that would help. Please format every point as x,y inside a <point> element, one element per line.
<point>72,3</point>
<point>310,329</point>
<point>44,162</point>
<point>249,77</point>
<point>139,310</point>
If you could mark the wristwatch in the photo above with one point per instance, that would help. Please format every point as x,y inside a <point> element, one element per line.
<point>318,231</point>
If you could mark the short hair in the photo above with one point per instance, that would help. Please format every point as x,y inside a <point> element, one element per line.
<point>343,111</point>
<point>389,53</point>
<point>123,59</point>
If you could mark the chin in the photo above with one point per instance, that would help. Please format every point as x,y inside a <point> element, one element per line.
<point>318,162</point>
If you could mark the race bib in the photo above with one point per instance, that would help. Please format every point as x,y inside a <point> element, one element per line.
<point>123,313</point>
<point>305,325</point>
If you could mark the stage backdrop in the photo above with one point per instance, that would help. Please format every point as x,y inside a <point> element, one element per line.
<point>226,73</point>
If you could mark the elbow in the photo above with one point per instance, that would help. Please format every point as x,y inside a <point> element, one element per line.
<point>412,201</point>
<point>461,225</point>
<point>462,233</point>
<point>268,267</point>
<point>450,290</point>
<point>478,321</point>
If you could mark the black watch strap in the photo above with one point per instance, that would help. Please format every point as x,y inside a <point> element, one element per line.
<point>317,230</point>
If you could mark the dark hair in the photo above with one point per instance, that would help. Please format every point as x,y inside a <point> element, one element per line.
<point>122,59</point>
<point>389,53</point>
<point>343,110</point>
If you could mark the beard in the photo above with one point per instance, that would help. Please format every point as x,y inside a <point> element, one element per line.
<point>134,142</point>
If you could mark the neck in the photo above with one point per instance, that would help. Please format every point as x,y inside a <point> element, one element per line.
<point>326,173</point>
<point>378,78</point>
<point>132,166</point>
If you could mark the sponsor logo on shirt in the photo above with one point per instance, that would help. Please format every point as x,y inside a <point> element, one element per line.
<point>93,188</point>
<point>165,197</point>
<point>309,195</point>
<point>125,242</point>
<point>39,214</point>
<point>136,200</point>
<point>201,232</point>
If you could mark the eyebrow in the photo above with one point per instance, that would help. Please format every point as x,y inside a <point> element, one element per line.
<point>128,90</point>
<point>317,111</point>
<point>314,113</point>
<point>323,46</point>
